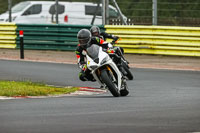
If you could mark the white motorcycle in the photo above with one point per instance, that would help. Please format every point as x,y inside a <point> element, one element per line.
<point>105,71</point>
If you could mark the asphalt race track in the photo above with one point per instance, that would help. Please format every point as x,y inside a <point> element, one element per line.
<point>160,101</point>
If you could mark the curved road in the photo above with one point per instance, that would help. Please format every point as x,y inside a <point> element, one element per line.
<point>164,101</point>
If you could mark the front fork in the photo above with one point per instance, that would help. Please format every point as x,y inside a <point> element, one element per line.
<point>114,79</point>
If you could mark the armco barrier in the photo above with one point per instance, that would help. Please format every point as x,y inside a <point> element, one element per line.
<point>163,40</point>
<point>7,35</point>
<point>50,37</point>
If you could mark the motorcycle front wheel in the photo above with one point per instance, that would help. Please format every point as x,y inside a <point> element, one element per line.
<point>129,75</point>
<point>108,80</point>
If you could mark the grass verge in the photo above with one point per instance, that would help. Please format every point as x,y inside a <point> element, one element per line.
<point>27,88</point>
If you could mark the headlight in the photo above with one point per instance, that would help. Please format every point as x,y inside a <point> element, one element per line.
<point>93,67</point>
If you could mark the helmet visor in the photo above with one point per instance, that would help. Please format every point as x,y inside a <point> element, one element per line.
<point>95,33</point>
<point>83,42</point>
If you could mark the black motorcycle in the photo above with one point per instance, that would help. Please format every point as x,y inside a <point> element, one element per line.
<point>118,57</point>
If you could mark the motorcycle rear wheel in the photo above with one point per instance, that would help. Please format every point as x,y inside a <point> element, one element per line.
<point>106,77</point>
<point>124,91</point>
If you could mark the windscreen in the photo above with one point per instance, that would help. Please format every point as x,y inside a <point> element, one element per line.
<point>19,7</point>
<point>93,51</point>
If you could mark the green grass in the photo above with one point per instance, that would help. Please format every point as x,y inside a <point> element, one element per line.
<point>27,88</point>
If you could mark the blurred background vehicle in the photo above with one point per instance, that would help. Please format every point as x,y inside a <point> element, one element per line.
<point>44,12</point>
<point>141,12</point>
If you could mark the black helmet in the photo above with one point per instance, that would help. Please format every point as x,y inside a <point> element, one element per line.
<point>84,37</point>
<point>95,31</point>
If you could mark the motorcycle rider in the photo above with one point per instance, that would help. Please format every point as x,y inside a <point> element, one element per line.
<point>85,40</point>
<point>95,31</point>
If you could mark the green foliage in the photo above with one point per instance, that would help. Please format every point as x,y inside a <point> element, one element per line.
<point>179,8</point>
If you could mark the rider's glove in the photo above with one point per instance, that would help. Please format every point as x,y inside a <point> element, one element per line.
<point>115,38</point>
<point>83,67</point>
<point>81,63</point>
<point>113,42</point>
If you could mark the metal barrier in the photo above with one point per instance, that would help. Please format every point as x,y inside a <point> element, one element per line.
<point>50,37</point>
<point>8,35</point>
<point>163,40</point>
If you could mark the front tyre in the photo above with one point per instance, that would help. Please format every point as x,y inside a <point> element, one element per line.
<point>108,80</point>
<point>129,75</point>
